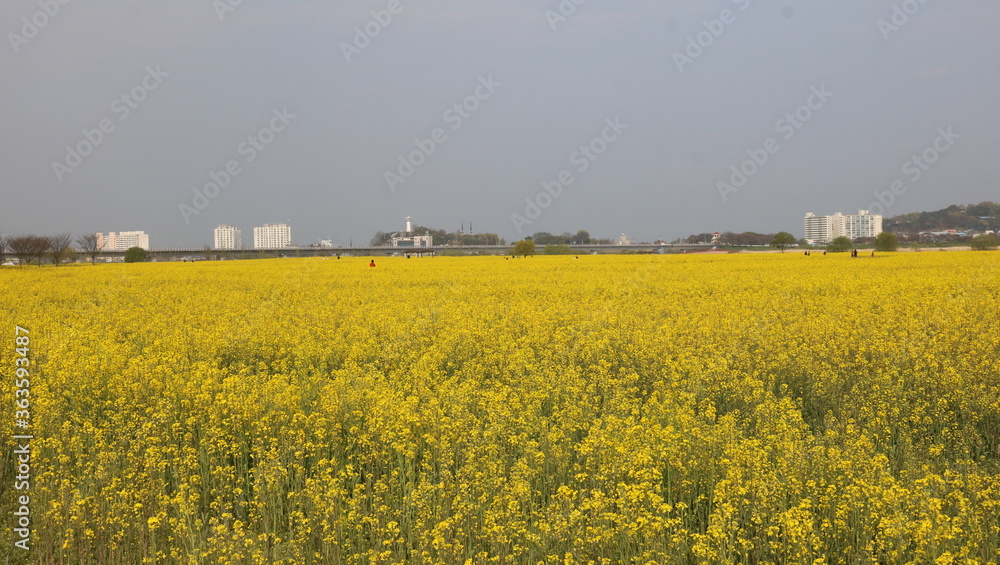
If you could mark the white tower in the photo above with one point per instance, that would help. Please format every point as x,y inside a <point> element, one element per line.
<point>409,226</point>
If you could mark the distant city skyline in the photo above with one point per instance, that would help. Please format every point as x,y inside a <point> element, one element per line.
<point>649,118</point>
<point>816,229</point>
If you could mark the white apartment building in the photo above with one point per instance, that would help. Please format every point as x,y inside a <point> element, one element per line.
<point>228,237</point>
<point>272,236</point>
<point>862,224</point>
<point>819,229</point>
<point>122,241</point>
<point>824,229</point>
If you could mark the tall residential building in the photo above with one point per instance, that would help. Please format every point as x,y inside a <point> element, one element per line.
<point>272,236</point>
<point>122,241</point>
<point>228,237</point>
<point>819,229</point>
<point>862,224</point>
<point>824,229</point>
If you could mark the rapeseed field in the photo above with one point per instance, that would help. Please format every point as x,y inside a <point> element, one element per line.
<point>771,408</point>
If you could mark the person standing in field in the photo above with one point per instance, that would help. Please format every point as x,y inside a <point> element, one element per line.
<point>372,264</point>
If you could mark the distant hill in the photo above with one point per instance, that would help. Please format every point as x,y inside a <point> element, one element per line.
<point>973,217</point>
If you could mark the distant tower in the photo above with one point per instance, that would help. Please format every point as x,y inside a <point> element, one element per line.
<point>409,225</point>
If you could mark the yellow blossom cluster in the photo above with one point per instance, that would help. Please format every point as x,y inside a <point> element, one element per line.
<point>772,408</point>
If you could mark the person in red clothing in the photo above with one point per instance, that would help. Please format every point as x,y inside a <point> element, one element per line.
<point>372,264</point>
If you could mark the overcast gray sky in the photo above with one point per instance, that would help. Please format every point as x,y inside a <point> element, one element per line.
<point>340,118</point>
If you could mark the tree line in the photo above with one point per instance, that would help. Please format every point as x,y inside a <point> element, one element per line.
<point>885,241</point>
<point>745,239</point>
<point>28,249</point>
<point>443,237</point>
<point>984,216</point>
<point>581,237</point>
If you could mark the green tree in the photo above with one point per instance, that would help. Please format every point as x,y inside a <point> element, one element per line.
<point>985,242</point>
<point>839,245</point>
<point>525,247</point>
<point>782,239</point>
<point>556,249</point>
<point>886,241</point>
<point>135,255</point>
<point>545,238</point>
<point>380,238</point>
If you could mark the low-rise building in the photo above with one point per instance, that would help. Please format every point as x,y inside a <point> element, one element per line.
<point>409,239</point>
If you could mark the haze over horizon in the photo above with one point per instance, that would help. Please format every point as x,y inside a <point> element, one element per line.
<point>653,119</point>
